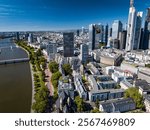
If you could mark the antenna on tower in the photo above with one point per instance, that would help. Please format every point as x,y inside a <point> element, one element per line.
<point>131,3</point>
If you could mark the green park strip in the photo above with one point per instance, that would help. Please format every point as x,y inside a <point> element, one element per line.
<point>41,92</point>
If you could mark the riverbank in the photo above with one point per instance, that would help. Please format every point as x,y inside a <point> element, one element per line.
<point>33,89</point>
<point>40,92</point>
<point>32,77</point>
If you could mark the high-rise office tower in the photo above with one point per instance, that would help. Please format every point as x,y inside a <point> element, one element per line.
<point>84,53</point>
<point>68,39</point>
<point>101,35</point>
<point>141,40</point>
<point>78,32</point>
<point>94,36</point>
<point>122,39</point>
<point>106,34</point>
<point>110,32</point>
<point>17,36</point>
<point>91,37</point>
<point>137,35</point>
<point>26,36</point>
<point>146,35</point>
<point>30,38</point>
<point>131,27</point>
<point>83,30</point>
<point>116,28</point>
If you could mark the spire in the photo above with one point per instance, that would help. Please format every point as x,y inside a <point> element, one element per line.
<point>131,3</point>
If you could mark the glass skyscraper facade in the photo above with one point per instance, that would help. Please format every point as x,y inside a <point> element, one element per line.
<point>137,35</point>
<point>116,28</point>
<point>131,27</point>
<point>94,36</point>
<point>146,36</point>
<point>84,53</point>
<point>68,39</point>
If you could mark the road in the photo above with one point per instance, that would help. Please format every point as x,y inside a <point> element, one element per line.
<point>48,79</point>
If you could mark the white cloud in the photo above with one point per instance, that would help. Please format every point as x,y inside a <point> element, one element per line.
<point>8,10</point>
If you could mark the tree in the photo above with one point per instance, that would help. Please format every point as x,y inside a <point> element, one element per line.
<point>80,104</point>
<point>39,52</point>
<point>147,65</point>
<point>67,69</point>
<point>56,76</point>
<point>53,66</point>
<point>95,110</point>
<point>41,100</point>
<point>101,44</point>
<point>136,96</point>
<point>97,103</point>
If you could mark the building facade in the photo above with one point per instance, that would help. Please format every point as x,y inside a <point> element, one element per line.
<point>30,38</point>
<point>94,36</point>
<point>84,53</point>
<point>122,39</point>
<point>51,50</point>
<point>131,27</point>
<point>68,39</point>
<point>146,36</point>
<point>117,106</point>
<point>116,28</point>
<point>137,36</point>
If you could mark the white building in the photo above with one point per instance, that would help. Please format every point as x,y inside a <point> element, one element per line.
<point>131,27</point>
<point>117,106</point>
<point>147,103</point>
<point>80,87</point>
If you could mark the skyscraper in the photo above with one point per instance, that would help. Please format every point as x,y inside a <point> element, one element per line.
<point>101,35</point>
<point>78,32</point>
<point>91,37</point>
<point>106,34</point>
<point>30,38</point>
<point>84,53</point>
<point>122,39</point>
<point>146,35</point>
<point>94,36</point>
<point>131,27</point>
<point>116,28</point>
<point>68,39</point>
<point>17,36</point>
<point>83,30</point>
<point>110,32</point>
<point>137,36</point>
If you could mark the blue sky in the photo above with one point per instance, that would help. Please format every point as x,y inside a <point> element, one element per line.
<point>29,15</point>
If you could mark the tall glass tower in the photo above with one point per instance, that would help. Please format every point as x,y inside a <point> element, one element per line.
<point>131,27</point>
<point>94,36</point>
<point>116,28</point>
<point>68,39</point>
<point>137,36</point>
<point>146,37</point>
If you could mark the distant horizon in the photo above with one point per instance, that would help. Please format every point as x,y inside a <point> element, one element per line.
<point>58,30</point>
<point>45,15</point>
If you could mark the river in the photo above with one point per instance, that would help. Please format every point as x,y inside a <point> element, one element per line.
<point>15,80</point>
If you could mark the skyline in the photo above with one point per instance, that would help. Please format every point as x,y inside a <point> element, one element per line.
<point>44,15</point>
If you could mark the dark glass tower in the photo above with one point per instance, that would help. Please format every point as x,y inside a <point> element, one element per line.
<point>91,37</point>
<point>106,34</point>
<point>145,43</point>
<point>68,44</point>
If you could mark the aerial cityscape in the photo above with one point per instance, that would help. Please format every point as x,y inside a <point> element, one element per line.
<point>101,67</point>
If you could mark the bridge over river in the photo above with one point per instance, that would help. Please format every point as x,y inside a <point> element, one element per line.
<point>10,53</point>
